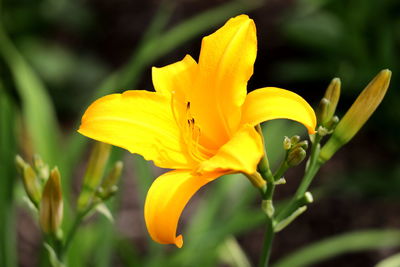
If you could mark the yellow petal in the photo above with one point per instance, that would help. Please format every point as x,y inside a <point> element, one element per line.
<point>225,65</point>
<point>273,103</point>
<point>166,199</point>
<point>141,122</point>
<point>241,154</point>
<point>177,77</point>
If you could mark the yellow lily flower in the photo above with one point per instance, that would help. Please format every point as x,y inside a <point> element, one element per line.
<point>199,121</point>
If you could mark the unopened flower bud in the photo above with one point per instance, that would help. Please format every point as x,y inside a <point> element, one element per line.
<point>20,162</point>
<point>295,139</point>
<point>322,131</point>
<point>305,200</point>
<point>303,144</point>
<point>332,94</point>
<point>296,156</point>
<point>331,125</point>
<point>51,205</point>
<point>94,173</point>
<point>287,144</point>
<point>109,185</point>
<point>322,110</point>
<point>358,114</point>
<point>41,168</point>
<point>30,180</point>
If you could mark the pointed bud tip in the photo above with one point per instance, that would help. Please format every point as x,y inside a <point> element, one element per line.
<point>55,173</point>
<point>287,144</point>
<point>20,162</point>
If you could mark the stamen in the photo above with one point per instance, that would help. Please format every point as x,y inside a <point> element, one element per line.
<point>191,133</point>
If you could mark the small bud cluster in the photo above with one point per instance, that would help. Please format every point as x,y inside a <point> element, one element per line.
<point>296,150</point>
<point>44,191</point>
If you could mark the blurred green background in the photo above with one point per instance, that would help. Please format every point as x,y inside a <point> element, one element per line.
<point>56,56</point>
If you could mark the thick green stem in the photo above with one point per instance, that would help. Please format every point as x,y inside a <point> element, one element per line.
<point>269,236</point>
<point>269,231</point>
<point>71,233</point>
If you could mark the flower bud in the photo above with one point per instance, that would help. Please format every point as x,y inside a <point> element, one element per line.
<point>332,94</point>
<point>94,173</point>
<point>295,139</point>
<point>296,156</point>
<point>109,185</point>
<point>322,110</point>
<point>322,131</point>
<point>331,125</point>
<point>287,144</point>
<point>358,114</point>
<point>30,180</point>
<point>51,205</point>
<point>303,144</point>
<point>41,168</point>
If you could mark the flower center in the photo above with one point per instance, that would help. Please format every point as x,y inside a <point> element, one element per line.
<point>190,131</point>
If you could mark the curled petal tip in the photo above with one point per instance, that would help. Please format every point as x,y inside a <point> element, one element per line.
<point>179,241</point>
<point>311,130</point>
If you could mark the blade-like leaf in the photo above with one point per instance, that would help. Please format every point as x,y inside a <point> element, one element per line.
<point>341,244</point>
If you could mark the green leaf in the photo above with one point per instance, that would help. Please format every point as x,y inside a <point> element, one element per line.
<point>7,181</point>
<point>341,244</point>
<point>37,107</point>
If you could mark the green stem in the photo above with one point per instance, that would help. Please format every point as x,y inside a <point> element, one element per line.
<point>71,234</point>
<point>269,231</point>
<point>312,168</point>
<point>281,171</point>
<point>269,236</point>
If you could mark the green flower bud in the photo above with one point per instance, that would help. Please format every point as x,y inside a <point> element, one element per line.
<point>109,185</point>
<point>296,156</point>
<point>358,114</point>
<point>331,125</point>
<point>295,139</point>
<point>322,110</point>
<point>303,144</point>
<point>94,173</point>
<point>41,168</point>
<point>287,144</point>
<point>322,131</point>
<point>30,180</point>
<point>332,94</point>
<point>51,205</point>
